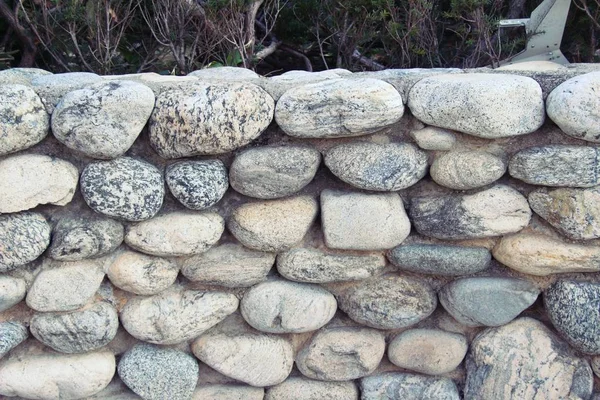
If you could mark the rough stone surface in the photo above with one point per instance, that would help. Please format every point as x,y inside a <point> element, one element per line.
<point>79,238</point>
<point>175,315</point>
<point>229,265</point>
<point>23,119</point>
<point>228,392</point>
<point>490,212</point>
<point>11,335</point>
<point>225,73</point>
<point>341,354</point>
<point>51,88</point>
<point>556,165</point>
<point>388,302</point>
<point>77,331</point>
<point>573,309</point>
<point>574,106</point>
<point>428,351</point>
<point>23,238</point>
<point>489,301</point>
<point>574,212</point>
<point>525,360</point>
<point>124,188</point>
<point>359,221</point>
<point>542,255</point>
<point>298,388</point>
<point>318,266</point>
<point>208,118</point>
<point>380,167</point>
<point>158,373</point>
<point>141,274</point>
<point>276,86</point>
<point>21,76</point>
<point>287,307</point>
<point>65,285</point>
<point>400,386</point>
<point>176,234</point>
<point>328,109</point>
<point>57,376</point>
<point>197,184</point>
<point>464,170</point>
<point>434,138</point>
<point>275,225</point>
<point>485,105</point>
<point>440,259</point>
<point>256,359</point>
<point>28,180</point>
<point>272,172</point>
<point>12,291</point>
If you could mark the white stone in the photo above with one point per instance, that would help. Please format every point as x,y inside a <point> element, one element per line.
<point>232,74</point>
<point>51,88</point>
<point>464,170</point>
<point>434,138</point>
<point>299,388</point>
<point>141,274</point>
<point>12,291</point>
<point>228,392</point>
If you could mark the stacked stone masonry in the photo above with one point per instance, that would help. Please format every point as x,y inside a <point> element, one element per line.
<point>403,234</point>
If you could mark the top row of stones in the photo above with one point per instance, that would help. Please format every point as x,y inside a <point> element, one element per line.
<point>103,119</point>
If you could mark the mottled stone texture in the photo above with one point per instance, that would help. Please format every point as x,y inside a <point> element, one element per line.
<point>440,259</point>
<point>23,238</point>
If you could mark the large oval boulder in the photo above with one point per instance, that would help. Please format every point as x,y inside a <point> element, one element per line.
<point>23,238</point>
<point>103,120</point>
<point>208,118</point>
<point>484,105</point>
<point>328,109</point>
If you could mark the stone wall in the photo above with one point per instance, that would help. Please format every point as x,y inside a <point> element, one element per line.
<point>404,234</point>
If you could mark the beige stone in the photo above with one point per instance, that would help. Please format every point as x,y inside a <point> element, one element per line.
<point>28,180</point>
<point>434,138</point>
<point>428,351</point>
<point>141,274</point>
<point>464,170</point>
<point>537,254</point>
<point>299,388</point>
<point>176,234</point>
<point>225,73</point>
<point>228,392</point>
<point>275,225</point>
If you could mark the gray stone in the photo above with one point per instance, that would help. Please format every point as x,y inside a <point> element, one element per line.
<point>228,392</point>
<point>79,238</point>
<point>176,234</point>
<point>12,291</point>
<point>490,212</point>
<point>573,309</point>
<point>23,238</point>
<point>574,212</point>
<point>439,259</point>
<point>276,86</point>
<point>103,120</point>
<point>341,354</point>
<point>298,388</point>
<point>489,301</point>
<point>434,138</point>
<point>78,331</point>
<point>229,265</point>
<point>388,302</point>
<point>175,315</point>
<point>271,172</point>
<point>124,188</point>
<point>556,165</point>
<point>464,170</point>
<point>328,109</point>
<point>287,307</point>
<point>197,184</point>
<point>275,225</point>
<point>141,274</point>
<point>380,167</point>
<point>51,88</point>
<point>318,266</point>
<point>231,74</point>
<point>208,118</point>
<point>11,335</point>
<point>21,76</point>
<point>404,386</point>
<point>360,221</point>
<point>428,351</point>
<point>28,180</point>
<point>23,119</point>
<point>57,376</point>
<point>485,105</point>
<point>525,360</point>
<point>65,285</point>
<point>158,373</point>
<point>574,105</point>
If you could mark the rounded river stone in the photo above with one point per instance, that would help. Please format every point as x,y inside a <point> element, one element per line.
<point>23,238</point>
<point>197,184</point>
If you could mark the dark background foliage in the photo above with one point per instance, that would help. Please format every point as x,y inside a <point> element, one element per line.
<point>273,36</point>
